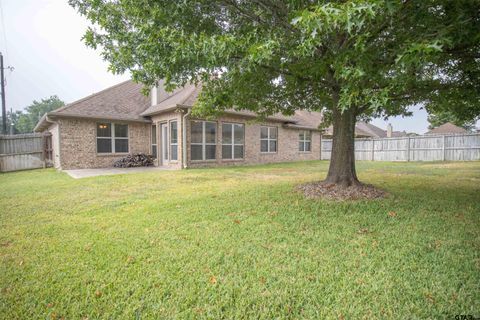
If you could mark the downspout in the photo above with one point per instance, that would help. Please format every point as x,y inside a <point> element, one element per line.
<point>184,138</point>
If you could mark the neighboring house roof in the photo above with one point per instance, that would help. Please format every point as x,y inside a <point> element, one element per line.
<point>363,130</point>
<point>371,130</point>
<point>125,102</point>
<point>399,134</point>
<point>447,128</point>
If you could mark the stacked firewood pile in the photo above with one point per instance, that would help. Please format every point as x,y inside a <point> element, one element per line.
<point>134,160</point>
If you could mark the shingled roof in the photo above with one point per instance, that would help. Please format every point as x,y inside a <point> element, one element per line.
<point>125,102</point>
<point>447,128</point>
<point>363,129</point>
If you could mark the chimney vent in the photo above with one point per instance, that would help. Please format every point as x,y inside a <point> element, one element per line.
<point>389,130</point>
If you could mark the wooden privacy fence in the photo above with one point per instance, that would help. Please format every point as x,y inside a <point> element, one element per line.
<point>458,147</point>
<point>25,151</point>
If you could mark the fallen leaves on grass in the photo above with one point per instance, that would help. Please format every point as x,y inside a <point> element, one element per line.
<point>363,231</point>
<point>331,191</point>
<point>213,280</point>
<point>6,244</point>
<point>392,214</point>
<point>430,298</point>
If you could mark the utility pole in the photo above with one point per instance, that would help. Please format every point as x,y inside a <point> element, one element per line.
<point>4,107</point>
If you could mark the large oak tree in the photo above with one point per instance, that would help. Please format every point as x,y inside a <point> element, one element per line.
<point>351,59</point>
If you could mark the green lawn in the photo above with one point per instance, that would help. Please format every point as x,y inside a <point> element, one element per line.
<point>239,243</point>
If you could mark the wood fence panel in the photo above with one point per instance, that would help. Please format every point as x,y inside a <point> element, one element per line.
<point>463,147</point>
<point>21,152</point>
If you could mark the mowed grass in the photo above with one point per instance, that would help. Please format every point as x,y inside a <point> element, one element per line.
<point>240,243</point>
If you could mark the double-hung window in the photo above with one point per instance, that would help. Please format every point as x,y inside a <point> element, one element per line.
<point>154,141</point>
<point>203,136</point>
<point>112,138</point>
<point>305,141</point>
<point>268,139</point>
<point>173,141</point>
<point>232,141</point>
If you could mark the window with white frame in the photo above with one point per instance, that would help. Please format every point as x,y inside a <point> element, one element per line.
<point>112,138</point>
<point>233,138</point>
<point>154,141</point>
<point>173,141</point>
<point>305,141</point>
<point>268,139</point>
<point>203,136</point>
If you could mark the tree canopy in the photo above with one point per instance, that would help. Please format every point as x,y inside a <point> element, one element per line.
<point>351,59</point>
<point>24,121</point>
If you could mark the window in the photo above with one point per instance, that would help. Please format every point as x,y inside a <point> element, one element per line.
<point>154,141</point>
<point>203,136</point>
<point>173,140</point>
<point>305,141</point>
<point>112,138</point>
<point>232,141</point>
<point>268,139</point>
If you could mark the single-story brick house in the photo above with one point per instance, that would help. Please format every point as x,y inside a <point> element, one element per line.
<point>95,131</point>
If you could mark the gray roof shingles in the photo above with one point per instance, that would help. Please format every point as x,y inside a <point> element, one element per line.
<point>447,128</point>
<point>126,102</point>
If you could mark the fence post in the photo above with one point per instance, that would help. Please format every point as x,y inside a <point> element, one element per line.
<point>443,149</point>
<point>373,149</point>
<point>408,149</point>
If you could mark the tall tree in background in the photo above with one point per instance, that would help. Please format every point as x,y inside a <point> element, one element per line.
<point>29,117</point>
<point>350,59</point>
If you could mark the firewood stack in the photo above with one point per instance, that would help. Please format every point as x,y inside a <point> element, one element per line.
<point>134,160</point>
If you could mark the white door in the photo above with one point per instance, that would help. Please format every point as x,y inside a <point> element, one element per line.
<point>164,131</point>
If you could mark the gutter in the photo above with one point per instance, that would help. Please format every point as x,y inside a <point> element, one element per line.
<point>42,120</point>
<point>97,117</point>
<point>184,138</point>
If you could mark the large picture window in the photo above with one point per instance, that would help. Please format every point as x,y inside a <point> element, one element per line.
<point>154,141</point>
<point>232,141</point>
<point>268,139</point>
<point>112,138</point>
<point>203,136</point>
<point>173,141</point>
<point>305,141</point>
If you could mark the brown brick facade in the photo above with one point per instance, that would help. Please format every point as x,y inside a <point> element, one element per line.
<point>287,140</point>
<point>77,147</point>
<point>78,143</point>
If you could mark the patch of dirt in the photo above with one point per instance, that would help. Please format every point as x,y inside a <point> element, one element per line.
<point>330,191</point>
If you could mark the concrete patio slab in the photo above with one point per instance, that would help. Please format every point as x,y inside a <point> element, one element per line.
<point>86,173</point>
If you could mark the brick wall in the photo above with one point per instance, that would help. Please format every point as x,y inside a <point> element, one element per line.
<point>287,144</point>
<point>78,144</point>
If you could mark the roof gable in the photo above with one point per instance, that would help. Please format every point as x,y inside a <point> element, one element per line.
<point>447,128</point>
<point>123,101</point>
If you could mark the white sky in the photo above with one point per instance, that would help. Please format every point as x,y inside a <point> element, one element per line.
<point>41,39</point>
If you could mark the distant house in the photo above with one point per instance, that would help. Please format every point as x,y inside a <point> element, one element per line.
<point>97,130</point>
<point>368,130</point>
<point>447,128</point>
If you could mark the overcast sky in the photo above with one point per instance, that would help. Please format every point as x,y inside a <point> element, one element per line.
<point>41,39</point>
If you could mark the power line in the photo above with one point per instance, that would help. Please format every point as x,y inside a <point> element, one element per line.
<point>4,32</point>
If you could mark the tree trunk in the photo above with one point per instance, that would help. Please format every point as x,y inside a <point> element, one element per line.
<point>342,162</point>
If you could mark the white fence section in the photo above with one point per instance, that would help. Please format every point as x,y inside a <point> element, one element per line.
<point>24,151</point>
<point>458,147</point>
